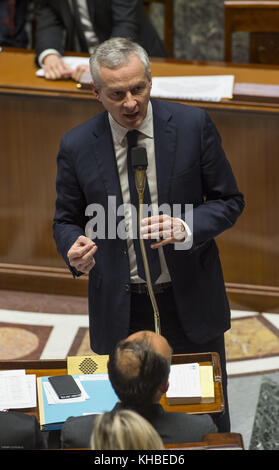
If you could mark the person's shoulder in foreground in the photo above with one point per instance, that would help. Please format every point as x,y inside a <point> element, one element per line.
<point>20,431</point>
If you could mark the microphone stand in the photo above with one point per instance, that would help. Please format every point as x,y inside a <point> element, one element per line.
<point>140,178</point>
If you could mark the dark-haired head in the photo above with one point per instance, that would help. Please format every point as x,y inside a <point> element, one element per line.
<point>139,368</point>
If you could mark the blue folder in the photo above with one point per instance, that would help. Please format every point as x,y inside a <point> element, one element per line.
<point>102,398</point>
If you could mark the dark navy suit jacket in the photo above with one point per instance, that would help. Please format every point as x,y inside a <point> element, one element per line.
<point>191,169</point>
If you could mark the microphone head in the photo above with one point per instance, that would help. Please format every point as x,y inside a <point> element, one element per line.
<point>139,158</point>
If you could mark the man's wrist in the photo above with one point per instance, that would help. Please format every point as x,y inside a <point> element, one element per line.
<point>45,53</point>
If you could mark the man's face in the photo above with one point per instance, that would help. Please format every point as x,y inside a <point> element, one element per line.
<point>125,92</point>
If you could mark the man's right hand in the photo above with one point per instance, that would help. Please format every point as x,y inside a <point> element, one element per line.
<point>81,254</point>
<point>55,68</point>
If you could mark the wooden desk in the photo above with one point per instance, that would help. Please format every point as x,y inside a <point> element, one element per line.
<point>59,367</point>
<point>261,20</point>
<point>220,441</point>
<point>38,112</point>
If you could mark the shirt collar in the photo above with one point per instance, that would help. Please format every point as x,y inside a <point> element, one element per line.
<point>146,127</point>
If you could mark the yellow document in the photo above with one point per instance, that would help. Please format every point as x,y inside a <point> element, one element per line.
<point>207,384</point>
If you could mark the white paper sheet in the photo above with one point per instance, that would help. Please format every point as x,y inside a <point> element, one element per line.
<point>199,88</point>
<point>72,61</point>
<point>184,380</point>
<point>86,377</point>
<point>17,391</point>
<point>12,372</point>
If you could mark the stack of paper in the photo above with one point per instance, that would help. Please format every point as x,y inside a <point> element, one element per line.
<point>190,383</point>
<point>17,390</point>
<point>198,88</point>
<point>207,384</point>
<point>72,61</point>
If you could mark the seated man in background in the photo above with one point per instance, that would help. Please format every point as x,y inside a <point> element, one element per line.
<point>79,25</point>
<point>138,369</point>
<point>13,18</point>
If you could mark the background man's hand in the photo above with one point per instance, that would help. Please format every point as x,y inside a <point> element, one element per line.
<point>81,254</point>
<point>167,229</point>
<point>55,68</point>
<point>79,70</point>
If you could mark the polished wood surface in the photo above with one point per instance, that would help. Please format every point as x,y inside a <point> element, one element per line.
<point>43,368</point>
<point>220,441</point>
<point>261,20</point>
<point>36,113</point>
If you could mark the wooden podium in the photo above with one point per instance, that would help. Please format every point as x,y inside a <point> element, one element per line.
<point>59,367</point>
<point>261,19</point>
<point>220,441</point>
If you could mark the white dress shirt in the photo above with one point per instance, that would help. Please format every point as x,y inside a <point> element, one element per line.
<point>146,139</point>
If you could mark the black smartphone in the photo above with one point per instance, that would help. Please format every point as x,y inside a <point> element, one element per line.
<point>65,386</point>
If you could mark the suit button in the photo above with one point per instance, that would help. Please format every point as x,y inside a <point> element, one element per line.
<point>127,287</point>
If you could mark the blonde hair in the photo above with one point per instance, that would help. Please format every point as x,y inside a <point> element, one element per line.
<point>124,430</point>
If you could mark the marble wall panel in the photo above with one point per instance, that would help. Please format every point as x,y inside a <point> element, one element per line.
<point>199,30</point>
<point>265,434</point>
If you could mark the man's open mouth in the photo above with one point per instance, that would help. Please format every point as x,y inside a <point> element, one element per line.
<point>132,116</point>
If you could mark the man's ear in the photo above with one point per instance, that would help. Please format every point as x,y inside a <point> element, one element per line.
<point>164,387</point>
<point>95,91</point>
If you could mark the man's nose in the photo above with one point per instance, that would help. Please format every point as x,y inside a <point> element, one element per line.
<point>129,102</point>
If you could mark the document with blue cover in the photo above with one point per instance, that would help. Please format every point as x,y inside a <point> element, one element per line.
<point>97,397</point>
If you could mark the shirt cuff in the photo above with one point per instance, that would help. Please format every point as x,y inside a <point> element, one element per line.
<point>45,53</point>
<point>188,233</point>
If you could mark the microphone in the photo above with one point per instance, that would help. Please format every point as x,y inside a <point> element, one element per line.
<point>139,164</point>
<point>139,158</point>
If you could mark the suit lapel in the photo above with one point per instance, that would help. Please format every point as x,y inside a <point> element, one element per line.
<point>106,161</point>
<point>165,146</point>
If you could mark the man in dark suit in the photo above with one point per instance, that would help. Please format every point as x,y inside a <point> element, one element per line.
<point>186,166</point>
<point>138,369</point>
<point>79,25</point>
<point>13,18</point>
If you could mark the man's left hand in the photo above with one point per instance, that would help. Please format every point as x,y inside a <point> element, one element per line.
<point>167,229</point>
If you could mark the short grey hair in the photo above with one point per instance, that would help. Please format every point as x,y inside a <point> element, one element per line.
<point>113,53</point>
